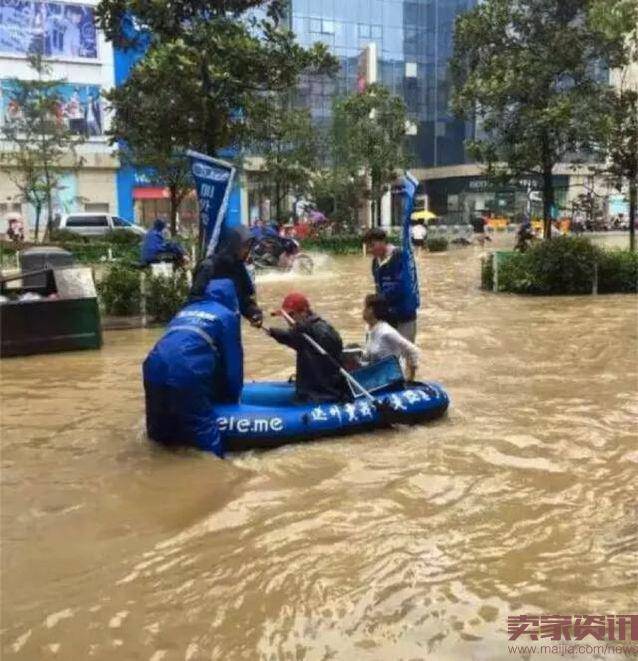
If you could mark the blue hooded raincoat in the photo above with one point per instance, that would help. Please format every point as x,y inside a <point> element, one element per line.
<point>197,363</point>
<point>155,245</point>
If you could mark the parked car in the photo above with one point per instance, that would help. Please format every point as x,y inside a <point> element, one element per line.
<point>97,224</point>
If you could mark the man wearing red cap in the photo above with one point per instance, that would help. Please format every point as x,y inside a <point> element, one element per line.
<point>318,377</point>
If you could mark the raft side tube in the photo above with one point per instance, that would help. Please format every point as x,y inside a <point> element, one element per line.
<point>268,416</point>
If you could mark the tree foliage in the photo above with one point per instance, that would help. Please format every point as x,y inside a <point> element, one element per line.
<point>144,126</point>
<point>41,148</point>
<point>288,143</point>
<point>533,75</point>
<point>339,195</point>
<point>368,136</point>
<point>206,67</point>
<point>619,125</point>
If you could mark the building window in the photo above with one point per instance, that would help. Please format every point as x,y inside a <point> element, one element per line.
<point>87,221</point>
<point>315,25</point>
<point>14,208</point>
<point>363,31</point>
<point>411,70</point>
<point>327,27</point>
<point>96,207</point>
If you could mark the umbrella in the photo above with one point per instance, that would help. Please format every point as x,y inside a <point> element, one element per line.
<point>424,214</point>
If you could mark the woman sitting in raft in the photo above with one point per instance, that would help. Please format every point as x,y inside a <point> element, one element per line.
<point>383,340</point>
<point>197,363</point>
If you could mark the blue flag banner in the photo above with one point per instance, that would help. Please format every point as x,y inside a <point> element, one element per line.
<point>409,270</point>
<point>213,182</point>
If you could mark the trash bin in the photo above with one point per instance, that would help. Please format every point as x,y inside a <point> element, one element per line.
<point>33,259</point>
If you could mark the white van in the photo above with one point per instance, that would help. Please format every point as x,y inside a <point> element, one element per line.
<point>97,224</point>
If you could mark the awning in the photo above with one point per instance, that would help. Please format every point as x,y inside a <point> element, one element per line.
<point>150,193</point>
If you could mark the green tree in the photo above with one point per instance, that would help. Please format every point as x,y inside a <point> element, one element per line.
<point>368,136</point>
<point>41,148</point>
<point>287,141</point>
<point>208,64</point>
<point>531,73</point>
<point>338,195</point>
<point>144,126</point>
<point>619,146</point>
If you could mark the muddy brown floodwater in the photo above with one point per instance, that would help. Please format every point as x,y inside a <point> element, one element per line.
<point>411,543</point>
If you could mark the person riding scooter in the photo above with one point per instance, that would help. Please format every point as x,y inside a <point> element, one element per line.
<point>156,248</point>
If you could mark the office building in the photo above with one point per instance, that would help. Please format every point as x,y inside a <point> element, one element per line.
<point>79,56</point>
<point>414,41</point>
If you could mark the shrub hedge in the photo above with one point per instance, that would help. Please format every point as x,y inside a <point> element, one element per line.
<point>122,238</point>
<point>119,291</point>
<point>98,251</point>
<point>165,296</point>
<point>437,244</point>
<point>66,236</point>
<point>618,272</point>
<point>564,265</point>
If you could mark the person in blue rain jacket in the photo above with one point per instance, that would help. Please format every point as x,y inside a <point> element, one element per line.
<point>390,282</point>
<point>197,363</point>
<point>155,248</point>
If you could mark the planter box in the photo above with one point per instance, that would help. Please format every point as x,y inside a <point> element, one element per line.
<point>33,327</point>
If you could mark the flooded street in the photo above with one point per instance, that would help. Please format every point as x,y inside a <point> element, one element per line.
<point>411,543</point>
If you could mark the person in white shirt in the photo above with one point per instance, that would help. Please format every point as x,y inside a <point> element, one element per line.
<point>382,340</point>
<point>418,233</point>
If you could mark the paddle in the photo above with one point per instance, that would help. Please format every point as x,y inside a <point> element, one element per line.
<point>380,406</point>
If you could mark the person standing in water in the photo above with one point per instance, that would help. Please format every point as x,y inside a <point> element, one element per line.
<point>418,235</point>
<point>197,363</point>
<point>388,272</point>
<point>230,262</point>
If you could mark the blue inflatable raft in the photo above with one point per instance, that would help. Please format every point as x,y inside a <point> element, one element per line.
<point>267,415</point>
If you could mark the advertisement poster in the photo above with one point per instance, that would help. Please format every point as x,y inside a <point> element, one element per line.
<point>80,107</point>
<point>54,29</point>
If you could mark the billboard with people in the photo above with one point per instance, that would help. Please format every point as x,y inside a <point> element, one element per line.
<point>79,107</point>
<point>58,30</point>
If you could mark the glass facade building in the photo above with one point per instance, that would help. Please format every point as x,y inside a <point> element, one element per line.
<point>414,40</point>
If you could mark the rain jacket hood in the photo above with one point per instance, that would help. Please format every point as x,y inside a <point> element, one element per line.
<point>236,238</point>
<point>222,292</point>
<point>197,363</point>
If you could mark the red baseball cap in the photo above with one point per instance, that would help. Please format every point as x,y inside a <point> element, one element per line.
<point>295,302</point>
